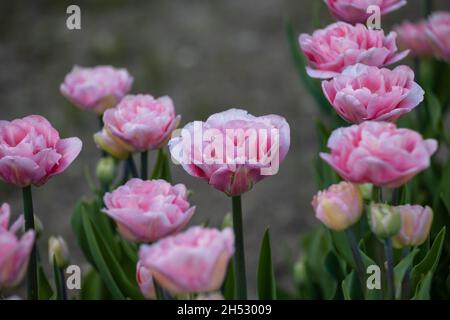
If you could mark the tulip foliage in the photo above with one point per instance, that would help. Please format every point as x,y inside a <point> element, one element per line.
<point>382,131</point>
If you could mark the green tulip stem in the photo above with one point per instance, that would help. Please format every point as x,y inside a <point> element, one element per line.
<point>389,256</point>
<point>358,259</point>
<point>144,165</point>
<point>240,281</point>
<point>132,166</point>
<point>32,284</point>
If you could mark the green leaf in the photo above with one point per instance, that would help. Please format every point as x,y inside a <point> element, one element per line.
<point>431,260</point>
<point>423,288</point>
<point>92,287</point>
<point>435,112</point>
<point>59,284</point>
<point>266,276</point>
<point>342,247</point>
<point>45,291</point>
<point>350,287</point>
<point>402,268</point>
<point>228,287</point>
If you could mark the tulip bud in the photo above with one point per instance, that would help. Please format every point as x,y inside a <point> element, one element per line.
<point>106,170</point>
<point>385,220</point>
<point>300,274</point>
<point>366,190</point>
<point>58,251</point>
<point>416,225</point>
<point>338,207</point>
<point>227,221</point>
<point>114,146</point>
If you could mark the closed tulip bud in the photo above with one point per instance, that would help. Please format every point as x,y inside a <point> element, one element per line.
<point>339,207</point>
<point>108,143</point>
<point>300,274</point>
<point>106,170</point>
<point>58,252</point>
<point>366,190</point>
<point>385,220</point>
<point>227,221</point>
<point>416,225</point>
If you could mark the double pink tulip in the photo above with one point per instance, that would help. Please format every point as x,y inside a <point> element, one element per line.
<point>193,261</point>
<point>14,252</point>
<point>340,206</point>
<point>329,51</point>
<point>355,11</point>
<point>138,123</point>
<point>413,36</point>
<point>363,93</point>
<point>146,211</point>
<point>378,153</point>
<point>416,225</point>
<point>232,149</point>
<point>438,32</point>
<point>31,151</point>
<point>96,89</point>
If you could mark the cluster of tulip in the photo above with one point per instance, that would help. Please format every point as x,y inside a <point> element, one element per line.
<point>373,155</point>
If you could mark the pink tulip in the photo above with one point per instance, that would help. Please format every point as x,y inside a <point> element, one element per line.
<point>378,153</point>
<point>96,89</point>
<point>438,32</point>
<point>106,141</point>
<point>233,149</point>
<point>193,261</point>
<point>31,151</point>
<point>363,93</point>
<point>145,281</point>
<point>354,11</point>
<point>146,211</point>
<point>329,51</point>
<point>142,122</point>
<point>416,225</point>
<point>14,252</point>
<point>338,207</point>
<point>413,36</point>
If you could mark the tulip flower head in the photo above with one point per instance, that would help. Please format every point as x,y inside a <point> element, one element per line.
<point>416,225</point>
<point>145,281</point>
<point>331,50</point>
<point>31,151</point>
<point>338,207</point>
<point>146,211</point>
<point>232,150</point>
<point>194,261</point>
<point>355,11</point>
<point>385,220</point>
<point>14,251</point>
<point>362,93</point>
<point>96,89</point>
<point>378,153</point>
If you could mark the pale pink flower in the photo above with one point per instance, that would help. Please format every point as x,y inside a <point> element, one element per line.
<point>438,32</point>
<point>96,89</point>
<point>14,252</point>
<point>416,225</point>
<point>338,207</point>
<point>193,261</point>
<point>146,211</point>
<point>363,93</point>
<point>31,151</point>
<point>378,153</point>
<point>413,36</point>
<point>142,122</point>
<point>232,150</point>
<point>354,11</point>
<point>329,51</point>
<point>145,281</point>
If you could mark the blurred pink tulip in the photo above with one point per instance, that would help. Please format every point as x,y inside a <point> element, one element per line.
<point>232,150</point>
<point>338,207</point>
<point>378,153</point>
<point>416,225</point>
<point>96,89</point>
<point>146,211</point>
<point>193,261</point>
<point>354,11</point>
<point>14,252</point>
<point>329,51</point>
<point>142,122</point>
<point>145,281</point>
<point>438,32</point>
<point>363,93</point>
<point>31,151</point>
<point>413,36</point>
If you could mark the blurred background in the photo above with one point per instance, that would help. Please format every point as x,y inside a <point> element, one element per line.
<point>208,55</point>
